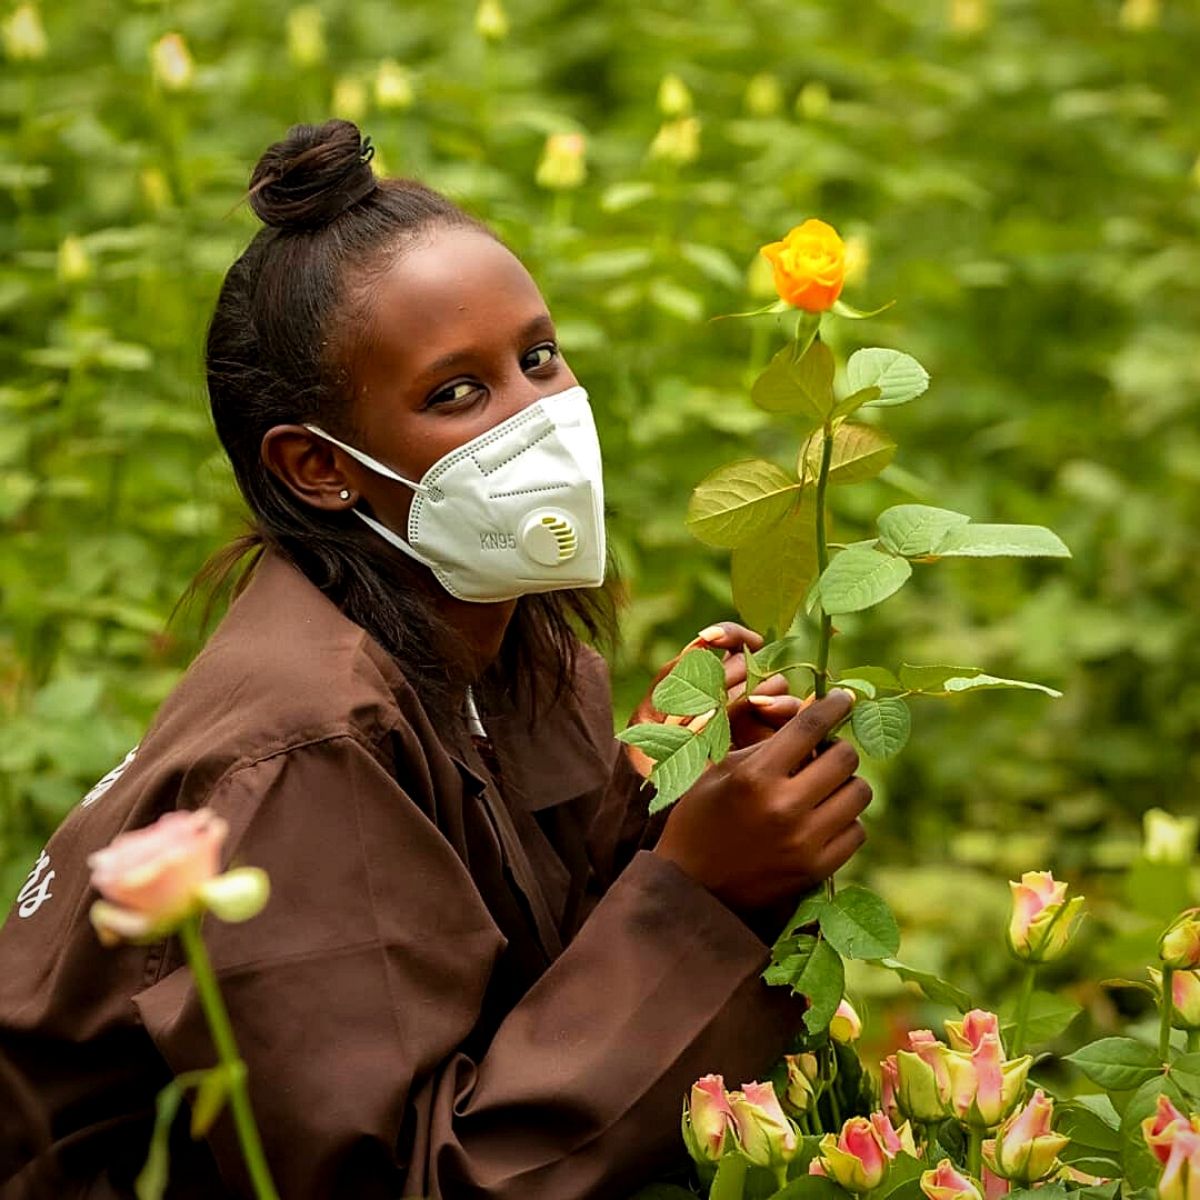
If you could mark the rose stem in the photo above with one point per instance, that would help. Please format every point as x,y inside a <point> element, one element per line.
<point>1166,1004</point>
<point>1023,1002</point>
<point>227,1051</point>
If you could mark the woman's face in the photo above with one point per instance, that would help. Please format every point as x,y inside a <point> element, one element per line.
<point>459,339</point>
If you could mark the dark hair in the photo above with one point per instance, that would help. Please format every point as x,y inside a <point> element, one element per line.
<point>280,350</point>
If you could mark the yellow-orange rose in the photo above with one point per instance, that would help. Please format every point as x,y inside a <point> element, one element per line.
<point>809,266</point>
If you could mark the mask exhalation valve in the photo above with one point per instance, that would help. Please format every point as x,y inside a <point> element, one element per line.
<point>549,538</point>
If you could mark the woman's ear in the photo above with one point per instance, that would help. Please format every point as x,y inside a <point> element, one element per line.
<point>309,467</point>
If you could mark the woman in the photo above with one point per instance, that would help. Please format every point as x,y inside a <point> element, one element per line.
<point>482,972</point>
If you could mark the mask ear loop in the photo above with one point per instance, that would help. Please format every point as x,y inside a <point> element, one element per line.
<point>376,466</point>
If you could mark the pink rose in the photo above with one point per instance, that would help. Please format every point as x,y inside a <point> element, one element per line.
<point>1043,919</point>
<point>946,1183</point>
<point>1175,1141</point>
<point>968,1034</point>
<point>846,1025</point>
<point>1026,1148</point>
<point>709,1118</point>
<point>766,1136</point>
<point>1179,946</point>
<point>1185,997</point>
<point>855,1158</point>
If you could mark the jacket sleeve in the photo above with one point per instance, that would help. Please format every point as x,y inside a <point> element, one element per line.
<point>353,993</point>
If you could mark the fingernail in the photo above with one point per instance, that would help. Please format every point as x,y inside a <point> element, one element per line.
<point>851,697</point>
<point>763,701</point>
<point>710,633</point>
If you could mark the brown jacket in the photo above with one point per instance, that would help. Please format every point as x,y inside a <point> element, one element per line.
<point>456,989</point>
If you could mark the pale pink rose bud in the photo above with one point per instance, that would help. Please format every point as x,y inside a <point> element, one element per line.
<point>894,1141</point>
<point>855,1158</point>
<point>846,1025</point>
<point>158,871</point>
<point>1175,1142</point>
<point>237,895</point>
<point>817,1167</point>
<point>1043,919</point>
<point>1026,1148</point>
<point>708,1118</point>
<point>1179,946</point>
<point>968,1033</point>
<point>923,1077</point>
<point>889,1087</point>
<point>984,1088</point>
<point>1185,997</point>
<point>767,1138</point>
<point>993,1186</point>
<point>947,1183</point>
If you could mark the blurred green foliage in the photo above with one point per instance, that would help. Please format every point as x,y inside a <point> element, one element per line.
<point>1022,176</point>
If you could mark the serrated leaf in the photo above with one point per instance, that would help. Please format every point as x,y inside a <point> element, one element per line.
<point>780,657</point>
<point>862,687</point>
<point>1002,541</point>
<point>881,726</point>
<point>898,376</point>
<point>1090,1128</point>
<point>916,530</point>
<point>1185,1071</point>
<point>853,402</point>
<point>981,682</point>
<point>740,502</point>
<point>859,578</point>
<point>813,969</point>
<point>1049,1015</point>
<point>679,757</point>
<point>859,924</point>
<point>801,388</point>
<point>881,677</point>
<point>933,678</point>
<point>935,988</point>
<point>695,684</point>
<point>772,575</point>
<point>859,453</point>
<point>1117,1063</point>
<point>717,734</point>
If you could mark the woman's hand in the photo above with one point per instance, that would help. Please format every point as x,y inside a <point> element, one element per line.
<point>771,821</point>
<point>752,719</point>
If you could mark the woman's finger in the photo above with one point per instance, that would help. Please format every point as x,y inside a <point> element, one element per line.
<point>729,635</point>
<point>840,810</point>
<point>841,849</point>
<point>817,780</point>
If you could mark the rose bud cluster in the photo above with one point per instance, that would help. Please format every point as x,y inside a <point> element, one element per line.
<point>858,1158</point>
<point>1179,946</point>
<point>1043,920</point>
<point>970,1079</point>
<point>1175,1141</point>
<point>1026,1148</point>
<point>152,880</point>
<point>750,1120</point>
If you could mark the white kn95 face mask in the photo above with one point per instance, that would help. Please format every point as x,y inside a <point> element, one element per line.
<point>518,509</point>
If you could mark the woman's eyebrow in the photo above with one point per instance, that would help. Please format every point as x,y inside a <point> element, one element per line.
<point>541,324</point>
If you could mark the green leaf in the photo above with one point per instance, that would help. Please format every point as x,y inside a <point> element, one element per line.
<point>713,262</point>
<point>859,578</point>
<point>859,924</point>
<point>717,735</point>
<point>210,1099</point>
<point>1045,1191</point>
<point>1185,1071</point>
<point>810,1187</point>
<point>934,987</point>
<point>898,376</point>
<point>862,687</point>
<point>787,655</point>
<point>772,575</point>
<point>988,683</point>
<point>882,678</point>
<point>1049,1015</point>
<point>695,685</point>
<point>730,1180</point>
<point>1117,1063</point>
<point>881,726</point>
<point>933,678</point>
<point>801,388</point>
<point>812,969</point>
<point>916,530</point>
<point>859,452</point>
<point>1002,541</point>
<point>1091,1123</point>
<point>853,402</point>
<point>679,757</point>
<point>740,502</point>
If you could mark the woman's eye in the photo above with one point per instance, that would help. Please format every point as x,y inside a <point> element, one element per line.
<point>540,356</point>
<point>456,391</point>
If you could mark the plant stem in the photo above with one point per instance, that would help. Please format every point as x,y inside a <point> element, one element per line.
<point>975,1151</point>
<point>1023,1001</point>
<point>222,1033</point>
<point>1166,1005</point>
<point>1193,1041</point>
<point>781,1173</point>
<point>821,676</point>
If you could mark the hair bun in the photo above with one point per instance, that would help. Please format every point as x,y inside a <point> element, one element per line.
<point>312,176</point>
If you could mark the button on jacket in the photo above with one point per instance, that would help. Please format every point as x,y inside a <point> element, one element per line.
<point>472,978</point>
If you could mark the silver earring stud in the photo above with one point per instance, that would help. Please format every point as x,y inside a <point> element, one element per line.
<point>344,494</point>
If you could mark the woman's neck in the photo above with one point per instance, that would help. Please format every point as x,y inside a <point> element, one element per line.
<point>480,626</point>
